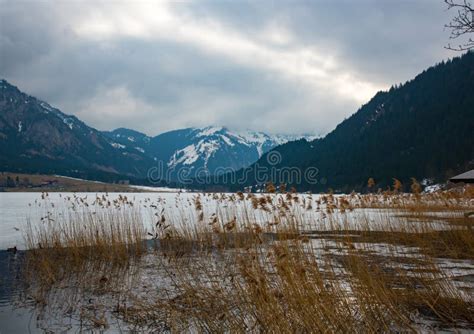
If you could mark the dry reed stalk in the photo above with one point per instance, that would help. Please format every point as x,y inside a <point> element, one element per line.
<point>254,264</point>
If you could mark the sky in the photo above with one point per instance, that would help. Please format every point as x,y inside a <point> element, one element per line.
<point>294,67</point>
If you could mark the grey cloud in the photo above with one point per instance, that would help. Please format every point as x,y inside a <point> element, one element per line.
<point>156,84</point>
<point>389,41</point>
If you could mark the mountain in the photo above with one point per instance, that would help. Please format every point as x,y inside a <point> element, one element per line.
<point>36,137</point>
<point>209,150</point>
<point>422,129</point>
<point>121,138</point>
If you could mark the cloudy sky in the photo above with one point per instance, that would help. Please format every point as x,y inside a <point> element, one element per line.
<point>276,66</point>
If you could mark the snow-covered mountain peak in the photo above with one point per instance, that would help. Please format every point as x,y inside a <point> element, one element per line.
<point>209,131</point>
<point>205,149</point>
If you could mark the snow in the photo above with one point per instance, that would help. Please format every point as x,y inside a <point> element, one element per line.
<point>186,156</point>
<point>208,131</point>
<point>251,138</point>
<point>132,139</point>
<point>20,126</point>
<point>191,153</point>
<point>212,138</point>
<point>208,149</point>
<point>259,150</point>
<point>260,139</point>
<point>256,139</point>
<point>75,178</point>
<point>46,107</point>
<point>311,138</point>
<point>158,189</point>
<point>140,149</point>
<point>426,182</point>
<point>227,140</point>
<point>433,188</point>
<point>117,145</point>
<point>69,122</point>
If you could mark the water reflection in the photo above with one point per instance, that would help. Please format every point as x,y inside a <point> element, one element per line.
<point>13,317</point>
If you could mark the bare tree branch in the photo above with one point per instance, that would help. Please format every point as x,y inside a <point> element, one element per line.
<point>462,24</point>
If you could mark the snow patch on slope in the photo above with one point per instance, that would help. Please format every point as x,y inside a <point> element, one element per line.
<point>208,131</point>
<point>69,122</point>
<point>190,154</point>
<point>117,145</point>
<point>46,107</point>
<point>186,156</point>
<point>227,140</point>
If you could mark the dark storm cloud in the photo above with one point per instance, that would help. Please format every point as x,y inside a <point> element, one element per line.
<point>279,67</point>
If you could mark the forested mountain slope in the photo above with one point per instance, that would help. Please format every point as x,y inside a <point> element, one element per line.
<point>423,129</point>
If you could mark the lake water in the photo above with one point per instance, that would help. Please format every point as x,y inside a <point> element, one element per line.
<point>17,209</point>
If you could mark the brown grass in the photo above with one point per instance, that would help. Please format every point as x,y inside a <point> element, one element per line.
<point>263,267</point>
<point>84,241</point>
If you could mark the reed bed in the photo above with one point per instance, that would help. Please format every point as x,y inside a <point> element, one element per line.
<point>87,246</point>
<point>282,262</point>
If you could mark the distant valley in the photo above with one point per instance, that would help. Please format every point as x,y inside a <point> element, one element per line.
<point>422,129</point>
<point>36,137</point>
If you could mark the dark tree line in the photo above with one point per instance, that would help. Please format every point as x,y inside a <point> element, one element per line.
<point>421,129</point>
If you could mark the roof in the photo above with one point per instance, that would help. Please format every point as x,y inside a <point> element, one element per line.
<point>467,177</point>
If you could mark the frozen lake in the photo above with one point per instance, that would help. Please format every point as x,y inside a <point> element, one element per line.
<point>17,209</point>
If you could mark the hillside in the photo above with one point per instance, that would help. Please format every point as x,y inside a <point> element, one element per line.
<point>15,182</point>
<point>36,137</point>
<point>421,129</point>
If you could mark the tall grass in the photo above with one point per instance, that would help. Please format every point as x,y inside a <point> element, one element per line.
<point>83,238</point>
<point>277,263</point>
<point>294,285</point>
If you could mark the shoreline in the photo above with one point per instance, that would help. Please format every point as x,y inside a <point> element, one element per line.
<point>38,183</point>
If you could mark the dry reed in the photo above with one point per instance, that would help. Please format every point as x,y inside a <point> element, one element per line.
<point>282,262</point>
